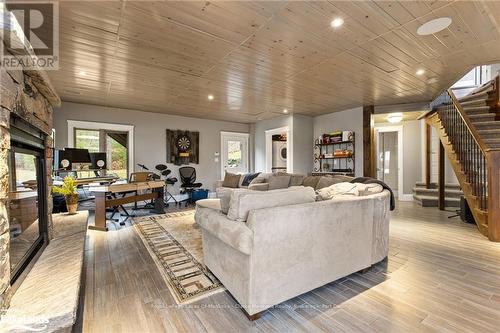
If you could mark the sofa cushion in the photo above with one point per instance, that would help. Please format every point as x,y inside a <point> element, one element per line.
<point>209,203</point>
<point>231,180</point>
<point>334,190</point>
<point>325,181</point>
<point>296,179</point>
<point>278,182</point>
<point>259,187</point>
<point>243,201</point>
<point>311,181</point>
<point>235,234</point>
<point>247,178</point>
<point>224,194</point>
<point>344,178</point>
<point>262,178</point>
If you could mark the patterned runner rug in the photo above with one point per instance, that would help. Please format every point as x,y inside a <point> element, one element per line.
<point>174,242</point>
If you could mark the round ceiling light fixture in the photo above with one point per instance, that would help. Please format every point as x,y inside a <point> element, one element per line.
<point>285,110</point>
<point>335,23</point>
<point>434,26</point>
<point>83,73</point>
<point>420,71</point>
<point>210,97</point>
<point>394,118</point>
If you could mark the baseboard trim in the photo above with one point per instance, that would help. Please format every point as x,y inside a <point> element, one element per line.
<point>406,197</point>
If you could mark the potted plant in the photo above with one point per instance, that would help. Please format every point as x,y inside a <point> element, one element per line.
<point>68,190</point>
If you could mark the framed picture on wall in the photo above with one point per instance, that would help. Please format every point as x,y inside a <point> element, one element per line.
<point>182,147</point>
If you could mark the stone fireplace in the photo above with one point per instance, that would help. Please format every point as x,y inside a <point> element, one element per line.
<point>26,106</point>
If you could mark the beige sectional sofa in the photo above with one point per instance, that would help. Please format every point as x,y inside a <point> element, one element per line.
<point>266,249</point>
<point>261,182</point>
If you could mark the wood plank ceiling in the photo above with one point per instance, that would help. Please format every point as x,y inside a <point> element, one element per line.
<point>258,58</point>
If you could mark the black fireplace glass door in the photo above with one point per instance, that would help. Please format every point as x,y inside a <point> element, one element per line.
<point>23,204</point>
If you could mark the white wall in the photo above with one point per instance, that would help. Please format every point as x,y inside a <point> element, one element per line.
<point>412,156</point>
<point>347,120</point>
<point>259,135</point>
<point>150,135</point>
<point>303,141</point>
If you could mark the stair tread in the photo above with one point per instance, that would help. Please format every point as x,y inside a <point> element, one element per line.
<point>478,101</point>
<point>487,124</point>
<point>436,190</point>
<point>489,131</point>
<point>479,107</point>
<point>430,197</point>
<point>482,96</point>
<point>435,184</point>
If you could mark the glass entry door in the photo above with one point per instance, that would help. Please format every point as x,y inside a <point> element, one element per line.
<point>387,159</point>
<point>234,152</point>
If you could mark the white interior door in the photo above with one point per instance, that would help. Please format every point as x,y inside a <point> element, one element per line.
<point>234,151</point>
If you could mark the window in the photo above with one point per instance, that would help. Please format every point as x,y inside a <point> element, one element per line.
<point>114,143</point>
<point>117,154</point>
<point>234,153</point>
<point>477,76</point>
<point>87,139</point>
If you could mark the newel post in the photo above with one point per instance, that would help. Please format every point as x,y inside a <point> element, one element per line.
<point>493,157</point>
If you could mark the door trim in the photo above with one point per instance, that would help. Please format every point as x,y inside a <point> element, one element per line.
<point>399,130</point>
<point>269,148</point>
<point>91,125</point>
<point>245,136</point>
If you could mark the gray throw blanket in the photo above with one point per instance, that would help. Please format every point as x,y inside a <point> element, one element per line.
<point>369,180</point>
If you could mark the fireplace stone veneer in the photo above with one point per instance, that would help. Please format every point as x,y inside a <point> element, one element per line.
<point>29,95</point>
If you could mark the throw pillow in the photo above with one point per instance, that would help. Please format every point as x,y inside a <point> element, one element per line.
<point>334,190</point>
<point>231,180</point>
<point>277,182</point>
<point>297,180</point>
<point>311,181</point>
<point>344,178</point>
<point>224,194</point>
<point>325,181</point>
<point>248,178</point>
<point>244,201</point>
<point>259,187</point>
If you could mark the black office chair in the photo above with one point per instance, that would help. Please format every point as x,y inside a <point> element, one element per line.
<point>188,180</point>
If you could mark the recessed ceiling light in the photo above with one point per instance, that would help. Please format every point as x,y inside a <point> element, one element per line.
<point>210,97</point>
<point>394,118</point>
<point>420,71</point>
<point>83,73</point>
<point>434,26</point>
<point>336,22</point>
<point>285,110</point>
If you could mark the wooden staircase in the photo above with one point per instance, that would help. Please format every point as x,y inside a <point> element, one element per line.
<point>469,130</point>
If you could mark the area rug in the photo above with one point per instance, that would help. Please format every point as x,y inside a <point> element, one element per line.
<point>174,242</point>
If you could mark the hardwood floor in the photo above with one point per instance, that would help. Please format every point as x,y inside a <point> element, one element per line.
<point>441,276</point>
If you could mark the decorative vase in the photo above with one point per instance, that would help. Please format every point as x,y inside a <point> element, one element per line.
<point>72,203</point>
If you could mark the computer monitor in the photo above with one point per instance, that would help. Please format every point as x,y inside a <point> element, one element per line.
<point>78,155</point>
<point>98,161</point>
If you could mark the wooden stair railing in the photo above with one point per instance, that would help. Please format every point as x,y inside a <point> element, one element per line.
<point>477,166</point>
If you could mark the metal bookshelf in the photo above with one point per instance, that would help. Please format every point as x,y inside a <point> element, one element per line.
<point>336,165</point>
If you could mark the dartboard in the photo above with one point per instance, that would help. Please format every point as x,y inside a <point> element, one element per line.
<point>183,143</point>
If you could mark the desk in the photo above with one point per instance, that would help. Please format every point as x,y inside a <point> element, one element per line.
<point>102,200</point>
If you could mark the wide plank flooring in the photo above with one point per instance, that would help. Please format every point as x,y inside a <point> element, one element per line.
<point>441,276</point>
